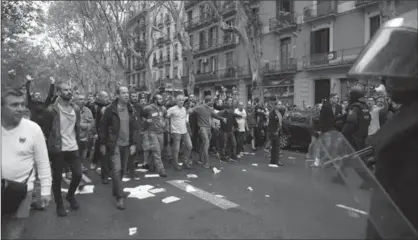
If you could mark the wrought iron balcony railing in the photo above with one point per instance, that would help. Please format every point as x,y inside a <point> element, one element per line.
<point>280,66</point>
<point>320,10</point>
<point>363,3</point>
<point>215,45</point>
<point>329,59</point>
<point>284,21</point>
<point>219,75</point>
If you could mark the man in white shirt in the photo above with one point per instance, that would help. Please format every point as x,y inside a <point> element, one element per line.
<point>24,152</point>
<point>178,118</point>
<point>62,128</point>
<point>242,127</point>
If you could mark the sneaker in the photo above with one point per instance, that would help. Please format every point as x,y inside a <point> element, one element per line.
<point>73,203</point>
<point>61,212</point>
<point>163,173</point>
<point>120,204</point>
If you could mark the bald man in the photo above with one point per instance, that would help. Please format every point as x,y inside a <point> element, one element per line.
<point>102,102</point>
<point>63,130</point>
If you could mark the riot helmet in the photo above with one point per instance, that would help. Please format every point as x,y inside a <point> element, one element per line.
<point>392,54</point>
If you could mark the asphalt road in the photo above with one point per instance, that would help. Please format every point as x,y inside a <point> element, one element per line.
<point>294,201</point>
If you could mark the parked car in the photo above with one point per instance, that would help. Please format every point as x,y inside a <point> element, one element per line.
<point>298,127</point>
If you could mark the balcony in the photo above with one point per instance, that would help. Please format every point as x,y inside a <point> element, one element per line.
<point>162,40</point>
<point>199,22</point>
<point>338,58</point>
<point>217,75</point>
<point>209,47</point>
<point>228,9</point>
<point>189,4</point>
<point>321,10</point>
<point>365,3</point>
<point>283,66</point>
<point>286,21</point>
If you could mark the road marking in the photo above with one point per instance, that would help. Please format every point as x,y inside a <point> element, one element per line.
<point>84,177</point>
<point>352,209</point>
<point>208,197</point>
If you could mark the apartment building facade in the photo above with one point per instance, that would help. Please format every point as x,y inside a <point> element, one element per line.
<point>331,36</point>
<point>166,59</point>
<point>221,60</point>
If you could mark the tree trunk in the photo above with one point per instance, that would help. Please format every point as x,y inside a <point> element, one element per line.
<point>190,68</point>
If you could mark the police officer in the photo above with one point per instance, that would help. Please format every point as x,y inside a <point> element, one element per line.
<point>358,119</point>
<point>392,53</point>
<point>274,128</point>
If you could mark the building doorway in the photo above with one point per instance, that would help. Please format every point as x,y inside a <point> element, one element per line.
<point>322,89</point>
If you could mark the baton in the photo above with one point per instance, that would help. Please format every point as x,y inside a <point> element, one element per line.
<point>363,152</point>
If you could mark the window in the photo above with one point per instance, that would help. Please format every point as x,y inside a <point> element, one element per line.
<point>202,40</point>
<point>374,25</point>
<point>202,13</point>
<point>320,41</point>
<point>199,66</point>
<point>213,36</point>
<point>228,36</point>
<point>175,72</point>
<point>168,32</point>
<point>285,51</point>
<point>229,59</point>
<point>286,5</point>
<point>191,41</point>
<point>167,50</point>
<point>129,63</point>
<point>189,16</point>
<point>213,64</point>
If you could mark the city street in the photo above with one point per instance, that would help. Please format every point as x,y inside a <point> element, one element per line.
<point>249,199</point>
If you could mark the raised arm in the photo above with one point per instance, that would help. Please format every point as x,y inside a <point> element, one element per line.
<point>49,98</point>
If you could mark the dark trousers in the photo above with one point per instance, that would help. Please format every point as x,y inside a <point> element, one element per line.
<point>58,162</point>
<point>119,158</point>
<point>228,144</point>
<point>240,141</point>
<point>275,150</point>
<point>97,155</point>
<point>214,141</point>
<point>259,136</point>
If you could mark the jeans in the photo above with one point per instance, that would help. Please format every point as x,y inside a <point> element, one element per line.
<point>58,161</point>
<point>275,150</point>
<point>205,136</point>
<point>12,227</point>
<point>153,145</point>
<point>228,145</point>
<point>177,140</point>
<point>119,164</point>
<point>240,141</point>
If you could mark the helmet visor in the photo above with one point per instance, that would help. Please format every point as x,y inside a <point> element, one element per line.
<point>391,53</point>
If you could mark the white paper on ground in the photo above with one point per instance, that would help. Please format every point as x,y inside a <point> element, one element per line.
<point>126,179</point>
<point>141,170</point>
<point>273,165</point>
<point>152,175</point>
<point>133,231</point>
<point>170,199</point>
<point>216,171</point>
<point>267,196</point>
<point>86,190</point>
<point>191,176</point>
<point>190,189</point>
<point>244,170</point>
<point>137,178</point>
<point>245,153</point>
<point>250,189</point>
<point>144,187</point>
<point>140,194</point>
<point>251,153</point>
<point>291,158</point>
<point>219,196</point>
<point>157,190</point>
<point>255,164</point>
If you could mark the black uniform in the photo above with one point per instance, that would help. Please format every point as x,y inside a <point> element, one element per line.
<point>274,126</point>
<point>357,123</point>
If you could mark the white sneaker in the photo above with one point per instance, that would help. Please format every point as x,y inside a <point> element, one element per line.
<point>317,162</point>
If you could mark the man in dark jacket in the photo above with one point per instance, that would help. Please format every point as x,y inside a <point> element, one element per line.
<point>101,103</point>
<point>35,105</point>
<point>330,112</point>
<point>274,127</point>
<point>62,129</point>
<point>116,136</point>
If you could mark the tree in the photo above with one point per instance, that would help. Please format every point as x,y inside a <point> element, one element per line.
<point>248,29</point>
